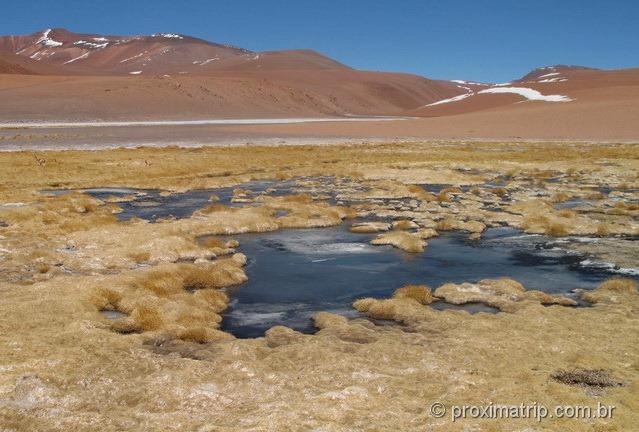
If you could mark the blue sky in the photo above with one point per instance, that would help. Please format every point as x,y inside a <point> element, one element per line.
<point>480,40</point>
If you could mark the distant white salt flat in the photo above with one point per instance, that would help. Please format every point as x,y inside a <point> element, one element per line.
<point>528,93</point>
<point>92,124</point>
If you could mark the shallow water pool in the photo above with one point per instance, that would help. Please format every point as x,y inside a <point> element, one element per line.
<point>296,273</point>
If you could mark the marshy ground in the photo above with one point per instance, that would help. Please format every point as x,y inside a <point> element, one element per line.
<point>139,286</point>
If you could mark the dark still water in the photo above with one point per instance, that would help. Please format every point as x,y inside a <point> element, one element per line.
<point>296,273</point>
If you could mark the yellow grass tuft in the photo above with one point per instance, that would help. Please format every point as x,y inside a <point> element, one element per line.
<point>299,198</point>
<point>603,229</point>
<point>613,290</point>
<point>408,242</point>
<point>443,197</point>
<point>213,242</point>
<point>403,225</point>
<point>139,256</point>
<point>447,224</point>
<point>214,208</point>
<point>560,197</point>
<point>203,335</point>
<point>556,229</point>
<point>620,285</point>
<point>567,213</point>
<point>217,300</point>
<point>42,268</point>
<point>500,191</point>
<point>421,293</point>
<point>147,318</point>
<point>421,194</point>
<point>378,309</point>
<point>105,298</point>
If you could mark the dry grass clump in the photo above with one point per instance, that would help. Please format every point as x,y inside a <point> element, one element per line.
<point>369,227</point>
<point>594,195</point>
<point>420,293</point>
<point>106,299</point>
<point>378,309</point>
<point>620,285</point>
<point>427,233</point>
<point>452,190</point>
<point>540,218</point>
<point>183,300</point>
<point>139,256</point>
<point>500,192</point>
<point>614,290</point>
<point>61,215</point>
<point>280,336</point>
<point>447,224</point>
<point>218,246</point>
<point>213,242</point>
<point>203,335</point>
<point>421,194</point>
<point>214,208</point>
<point>558,197</point>
<point>42,267</point>
<point>505,294</point>
<point>404,225</point>
<point>586,377</point>
<point>567,213</point>
<point>403,240</point>
<point>450,224</point>
<point>603,229</point>
<point>147,318</point>
<point>556,229</point>
<point>404,309</point>
<point>217,300</point>
<point>302,212</point>
<point>622,205</point>
<point>443,197</point>
<point>298,198</point>
<point>324,320</point>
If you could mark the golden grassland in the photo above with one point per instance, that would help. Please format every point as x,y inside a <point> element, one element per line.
<point>164,364</point>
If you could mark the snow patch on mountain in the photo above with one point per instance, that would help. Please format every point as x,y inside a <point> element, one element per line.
<point>83,56</point>
<point>168,35</point>
<point>453,99</point>
<point>93,45</point>
<point>468,82</point>
<point>552,80</point>
<point>207,61</point>
<point>549,74</point>
<point>528,93</point>
<point>47,41</point>
<point>133,58</point>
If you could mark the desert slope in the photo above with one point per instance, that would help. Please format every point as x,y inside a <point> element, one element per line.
<point>171,76</point>
<point>57,75</point>
<point>547,86</point>
<point>223,95</point>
